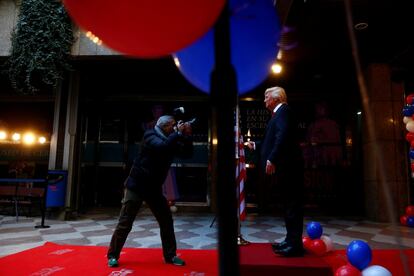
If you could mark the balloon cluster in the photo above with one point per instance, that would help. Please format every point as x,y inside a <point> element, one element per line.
<point>408,218</point>
<point>145,29</point>
<point>359,256</point>
<point>254,34</point>
<point>185,28</point>
<point>315,242</point>
<point>408,112</point>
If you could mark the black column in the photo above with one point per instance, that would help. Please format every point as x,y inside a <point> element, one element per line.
<point>224,96</point>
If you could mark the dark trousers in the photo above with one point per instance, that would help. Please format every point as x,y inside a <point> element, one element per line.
<point>290,184</point>
<point>159,207</point>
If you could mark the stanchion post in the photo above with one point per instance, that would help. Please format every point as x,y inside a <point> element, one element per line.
<point>43,206</point>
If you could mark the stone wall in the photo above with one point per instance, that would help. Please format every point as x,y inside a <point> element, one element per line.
<point>83,46</point>
<point>8,17</point>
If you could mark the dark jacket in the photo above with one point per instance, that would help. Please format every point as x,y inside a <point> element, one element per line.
<point>150,167</point>
<point>280,144</point>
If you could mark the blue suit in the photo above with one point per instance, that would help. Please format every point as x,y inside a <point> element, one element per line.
<point>281,147</point>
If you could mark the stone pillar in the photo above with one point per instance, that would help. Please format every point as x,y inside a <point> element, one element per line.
<point>386,100</point>
<point>62,145</point>
<point>71,126</point>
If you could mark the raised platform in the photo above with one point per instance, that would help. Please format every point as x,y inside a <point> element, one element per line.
<point>258,259</point>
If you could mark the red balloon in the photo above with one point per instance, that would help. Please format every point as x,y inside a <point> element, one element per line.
<point>409,211</point>
<point>347,270</point>
<point>317,247</point>
<point>409,99</point>
<point>306,243</point>
<point>409,136</point>
<point>412,144</point>
<point>412,167</point>
<point>145,28</point>
<point>403,220</point>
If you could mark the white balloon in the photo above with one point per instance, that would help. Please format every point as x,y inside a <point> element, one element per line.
<point>173,208</point>
<point>406,119</point>
<point>328,242</point>
<point>376,270</point>
<point>410,126</point>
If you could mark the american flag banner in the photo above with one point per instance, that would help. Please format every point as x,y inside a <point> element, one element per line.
<point>241,176</point>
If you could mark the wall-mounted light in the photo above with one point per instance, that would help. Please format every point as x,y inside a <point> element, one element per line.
<point>3,135</point>
<point>29,138</point>
<point>42,140</point>
<point>93,38</point>
<point>16,137</point>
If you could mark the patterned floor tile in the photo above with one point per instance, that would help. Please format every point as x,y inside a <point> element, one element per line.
<point>193,231</point>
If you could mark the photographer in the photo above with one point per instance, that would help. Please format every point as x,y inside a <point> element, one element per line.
<point>144,183</point>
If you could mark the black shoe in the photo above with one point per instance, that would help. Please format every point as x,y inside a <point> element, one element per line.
<point>291,251</point>
<point>279,246</point>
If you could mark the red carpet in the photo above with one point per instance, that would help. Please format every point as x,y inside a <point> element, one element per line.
<point>256,259</point>
<point>54,259</point>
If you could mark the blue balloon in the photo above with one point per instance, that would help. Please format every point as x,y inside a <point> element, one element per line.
<point>254,35</point>
<point>410,221</point>
<point>359,254</point>
<point>314,230</point>
<point>411,153</point>
<point>408,110</point>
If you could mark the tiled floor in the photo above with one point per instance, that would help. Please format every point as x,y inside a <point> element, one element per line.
<point>192,231</point>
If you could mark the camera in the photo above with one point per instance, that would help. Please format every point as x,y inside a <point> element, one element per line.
<point>179,116</point>
<point>191,122</point>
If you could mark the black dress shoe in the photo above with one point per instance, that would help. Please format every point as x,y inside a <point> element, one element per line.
<point>291,251</point>
<point>279,246</point>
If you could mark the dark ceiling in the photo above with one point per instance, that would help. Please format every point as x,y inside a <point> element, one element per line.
<point>315,42</point>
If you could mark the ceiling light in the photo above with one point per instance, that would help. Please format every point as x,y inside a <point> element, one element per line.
<point>276,68</point>
<point>279,54</point>
<point>361,26</point>
<point>177,61</point>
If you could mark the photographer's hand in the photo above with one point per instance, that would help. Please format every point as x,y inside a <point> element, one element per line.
<point>188,130</point>
<point>180,126</point>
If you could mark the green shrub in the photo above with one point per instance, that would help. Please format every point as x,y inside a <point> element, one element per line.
<point>41,45</point>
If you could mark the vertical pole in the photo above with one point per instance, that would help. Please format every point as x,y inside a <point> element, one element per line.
<point>224,96</point>
<point>43,206</point>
